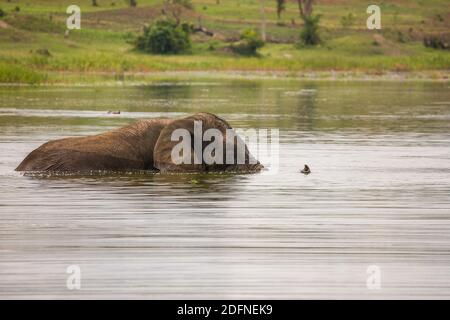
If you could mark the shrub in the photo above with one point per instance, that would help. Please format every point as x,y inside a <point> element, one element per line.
<point>43,52</point>
<point>2,13</point>
<point>310,32</point>
<point>249,43</point>
<point>212,45</point>
<point>401,37</point>
<point>440,18</point>
<point>187,27</point>
<point>164,37</point>
<point>437,42</point>
<point>348,20</point>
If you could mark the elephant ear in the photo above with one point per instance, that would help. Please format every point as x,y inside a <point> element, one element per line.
<point>179,136</point>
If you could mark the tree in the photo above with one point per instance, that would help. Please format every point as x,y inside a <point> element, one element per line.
<point>281,6</point>
<point>310,32</point>
<point>94,3</point>
<point>263,20</point>
<point>305,7</point>
<point>133,3</point>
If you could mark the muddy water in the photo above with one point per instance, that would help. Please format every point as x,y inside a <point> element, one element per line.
<point>378,195</point>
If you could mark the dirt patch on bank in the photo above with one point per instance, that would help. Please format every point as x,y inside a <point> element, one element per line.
<point>389,47</point>
<point>3,25</point>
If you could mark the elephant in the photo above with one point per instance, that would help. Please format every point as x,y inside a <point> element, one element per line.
<point>143,145</point>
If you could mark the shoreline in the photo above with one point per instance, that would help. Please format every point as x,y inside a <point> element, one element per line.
<point>63,78</point>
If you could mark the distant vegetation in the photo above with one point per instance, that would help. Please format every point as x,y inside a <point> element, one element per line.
<point>249,43</point>
<point>310,33</point>
<point>348,20</point>
<point>164,37</point>
<point>437,41</point>
<point>14,73</point>
<point>185,3</point>
<point>301,36</point>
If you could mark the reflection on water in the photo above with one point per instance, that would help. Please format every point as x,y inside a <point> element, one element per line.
<point>378,195</point>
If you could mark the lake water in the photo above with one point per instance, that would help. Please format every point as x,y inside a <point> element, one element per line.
<point>378,196</point>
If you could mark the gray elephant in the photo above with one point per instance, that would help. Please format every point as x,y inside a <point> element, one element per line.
<point>143,145</point>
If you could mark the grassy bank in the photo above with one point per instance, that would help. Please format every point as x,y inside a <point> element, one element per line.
<point>34,49</point>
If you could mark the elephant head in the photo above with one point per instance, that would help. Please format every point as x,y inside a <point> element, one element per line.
<point>202,142</point>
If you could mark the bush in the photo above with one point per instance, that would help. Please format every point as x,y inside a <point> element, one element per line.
<point>249,43</point>
<point>310,33</point>
<point>212,45</point>
<point>348,20</point>
<point>401,37</point>
<point>187,27</point>
<point>437,42</point>
<point>164,37</point>
<point>2,13</point>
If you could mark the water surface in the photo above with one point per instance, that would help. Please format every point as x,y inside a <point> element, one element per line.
<point>379,194</point>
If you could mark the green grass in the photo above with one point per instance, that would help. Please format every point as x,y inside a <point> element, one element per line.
<point>105,45</point>
<point>19,74</point>
<point>347,53</point>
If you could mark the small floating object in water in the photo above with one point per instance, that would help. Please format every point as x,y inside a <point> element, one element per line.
<point>306,170</point>
<point>113,112</point>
